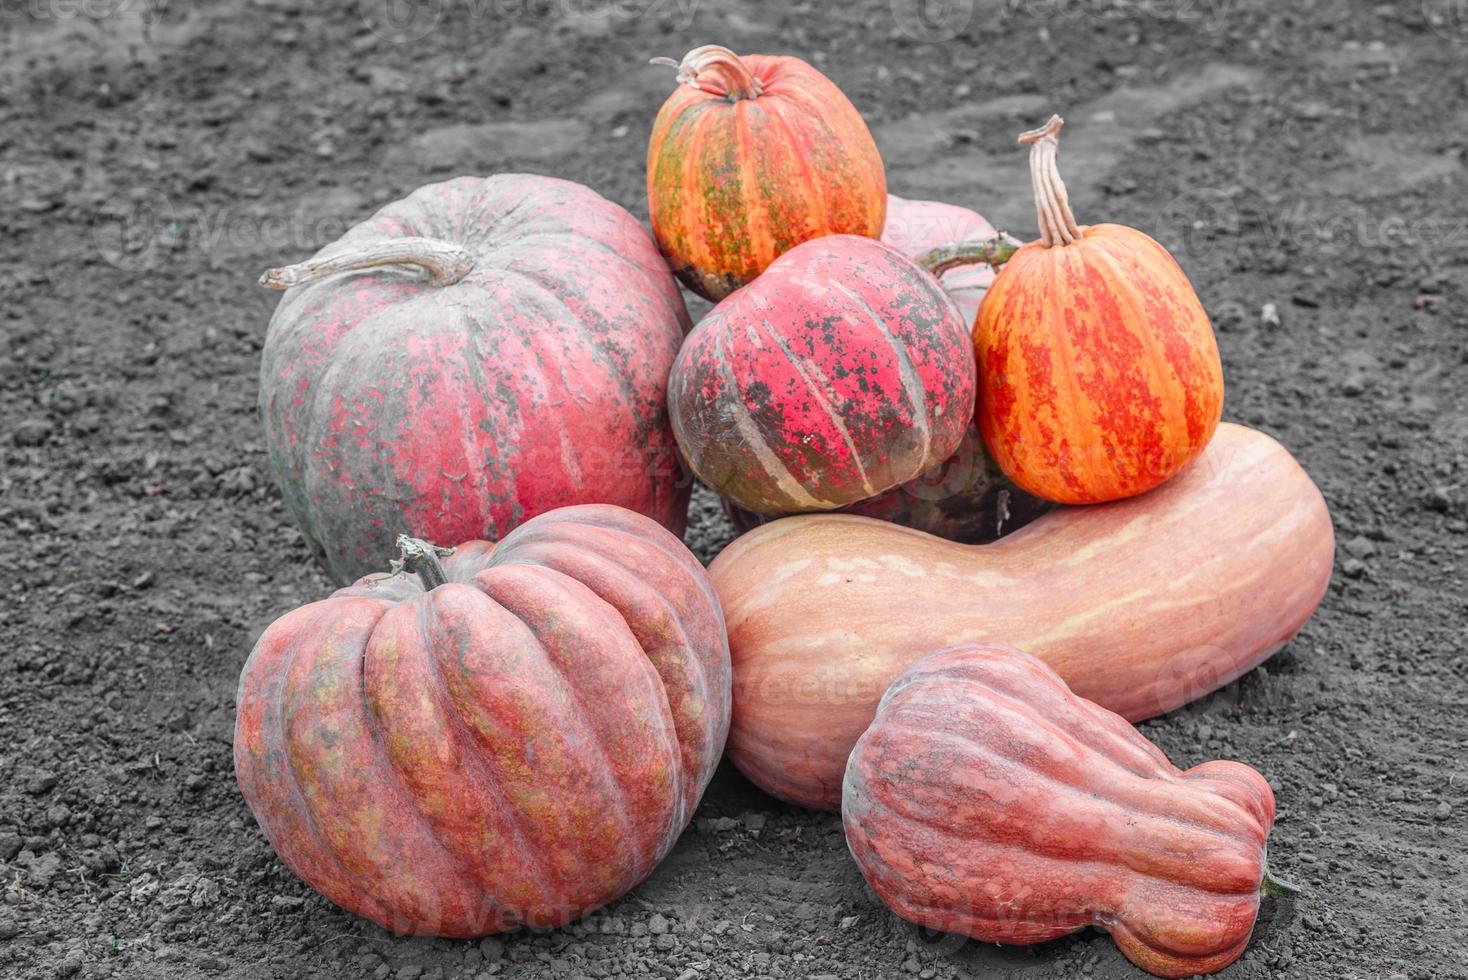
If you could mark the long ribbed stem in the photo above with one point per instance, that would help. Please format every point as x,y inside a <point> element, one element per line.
<point>1052,206</point>
<point>445,262</point>
<point>987,251</point>
<point>717,62</point>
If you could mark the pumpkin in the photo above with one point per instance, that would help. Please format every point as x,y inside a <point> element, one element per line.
<point>751,156</point>
<point>917,228</point>
<point>987,799</point>
<point>1142,605</point>
<point>480,352</point>
<point>515,735</point>
<point>1100,372</point>
<point>843,371</point>
<point>965,498</point>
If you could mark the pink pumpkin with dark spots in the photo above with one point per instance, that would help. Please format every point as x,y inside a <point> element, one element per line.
<point>513,736</point>
<point>480,352</point>
<point>843,371</point>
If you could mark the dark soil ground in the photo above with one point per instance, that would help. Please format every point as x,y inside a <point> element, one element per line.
<point>1305,160</point>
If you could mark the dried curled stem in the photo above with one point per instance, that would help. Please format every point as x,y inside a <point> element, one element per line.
<point>735,79</point>
<point>1052,205</point>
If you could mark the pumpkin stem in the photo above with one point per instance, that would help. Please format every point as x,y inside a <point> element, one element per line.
<point>1052,206</point>
<point>986,251</point>
<point>421,558</point>
<point>1272,887</point>
<point>734,78</point>
<point>445,262</point>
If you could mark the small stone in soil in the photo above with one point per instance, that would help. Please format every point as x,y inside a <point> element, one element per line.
<point>1444,811</point>
<point>1354,568</point>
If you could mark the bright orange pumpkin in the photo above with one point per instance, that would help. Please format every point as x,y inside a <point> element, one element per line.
<point>750,157</point>
<point>1099,375</point>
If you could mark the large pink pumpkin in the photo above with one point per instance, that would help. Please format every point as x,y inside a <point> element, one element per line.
<point>842,371</point>
<point>516,735</point>
<point>480,352</point>
<point>915,228</point>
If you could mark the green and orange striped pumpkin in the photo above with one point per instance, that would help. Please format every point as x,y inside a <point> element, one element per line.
<point>750,157</point>
<point>1099,375</point>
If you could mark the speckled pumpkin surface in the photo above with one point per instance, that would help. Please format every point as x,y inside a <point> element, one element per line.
<point>843,371</point>
<point>535,379</point>
<point>519,745</point>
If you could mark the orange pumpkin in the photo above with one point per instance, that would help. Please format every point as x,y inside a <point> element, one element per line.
<point>750,157</point>
<point>1099,375</point>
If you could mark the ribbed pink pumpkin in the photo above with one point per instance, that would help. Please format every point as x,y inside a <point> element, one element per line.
<point>516,735</point>
<point>482,351</point>
<point>842,371</point>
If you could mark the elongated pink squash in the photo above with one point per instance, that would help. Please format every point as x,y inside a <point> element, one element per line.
<point>1142,605</point>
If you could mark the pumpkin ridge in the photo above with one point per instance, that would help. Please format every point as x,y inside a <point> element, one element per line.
<point>817,391</point>
<point>775,468</point>
<point>1126,739</point>
<point>912,384</point>
<point>914,810</point>
<point>700,734</point>
<point>468,749</point>
<point>585,718</point>
<point>372,878</point>
<point>956,840</point>
<point>809,186</point>
<point>1125,291</point>
<point>1192,374</point>
<point>274,705</point>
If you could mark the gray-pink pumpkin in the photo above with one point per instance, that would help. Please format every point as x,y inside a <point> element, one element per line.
<point>480,352</point>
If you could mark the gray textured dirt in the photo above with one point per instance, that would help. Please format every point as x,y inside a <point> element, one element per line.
<point>1305,160</point>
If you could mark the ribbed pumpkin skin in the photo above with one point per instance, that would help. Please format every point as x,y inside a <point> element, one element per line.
<point>915,228</point>
<point>1142,605</point>
<point>734,184</point>
<point>392,405</point>
<point>843,371</point>
<point>986,799</point>
<point>520,745</point>
<point>1099,371</point>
